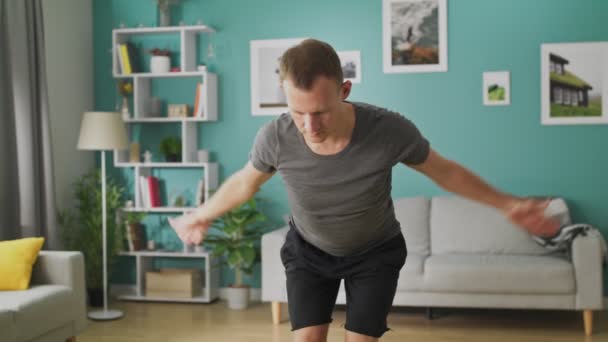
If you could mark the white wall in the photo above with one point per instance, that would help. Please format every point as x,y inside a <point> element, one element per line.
<point>69,65</point>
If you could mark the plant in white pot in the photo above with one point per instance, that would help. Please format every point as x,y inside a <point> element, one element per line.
<point>160,61</point>
<point>235,236</point>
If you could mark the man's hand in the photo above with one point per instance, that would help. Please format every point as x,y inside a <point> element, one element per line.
<point>190,228</point>
<point>530,214</point>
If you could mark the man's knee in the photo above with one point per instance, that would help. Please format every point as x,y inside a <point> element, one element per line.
<point>315,333</point>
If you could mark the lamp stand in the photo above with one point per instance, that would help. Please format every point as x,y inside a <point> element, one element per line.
<point>105,314</point>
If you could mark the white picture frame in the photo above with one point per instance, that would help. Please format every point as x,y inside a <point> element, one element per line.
<point>574,83</point>
<point>496,90</point>
<point>267,96</point>
<point>403,31</point>
<point>351,65</point>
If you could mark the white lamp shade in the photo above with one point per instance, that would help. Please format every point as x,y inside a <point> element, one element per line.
<point>102,131</point>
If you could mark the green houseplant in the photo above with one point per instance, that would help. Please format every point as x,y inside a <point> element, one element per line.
<point>171,148</point>
<point>81,228</point>
<point>235,236</point>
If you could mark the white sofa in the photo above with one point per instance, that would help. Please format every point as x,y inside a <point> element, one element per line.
<point>53,308</point>
<point>464,254</point>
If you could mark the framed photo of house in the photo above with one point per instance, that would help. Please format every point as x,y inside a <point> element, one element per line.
<point>351,65</point>
<point>267,96</point>
<point>574,83</point>
<point>496,88</point>
<point>414,36</point>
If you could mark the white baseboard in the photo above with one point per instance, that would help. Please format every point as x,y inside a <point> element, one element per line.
<point>255,294</point>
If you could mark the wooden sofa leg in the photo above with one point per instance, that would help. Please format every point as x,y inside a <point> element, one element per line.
<point>588,320</point>
<point>430,313</point>
<point>71,339</point>
<point>276,313</point>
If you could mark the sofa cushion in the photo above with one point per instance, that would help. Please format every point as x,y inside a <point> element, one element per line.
<point>411,276</point>
<point>517,274</point>
<point>38,309</point>
<point>459,225</point>
<point>7,326</point>
<point>17,258</point>
<point>413,215</point>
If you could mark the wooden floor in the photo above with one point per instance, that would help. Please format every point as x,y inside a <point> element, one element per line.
<point>152,322</point>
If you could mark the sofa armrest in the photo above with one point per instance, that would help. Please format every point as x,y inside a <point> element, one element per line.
<point>64,268</point>
<point>273,273</point>
<point>7,326</point>
<point>587,260</point>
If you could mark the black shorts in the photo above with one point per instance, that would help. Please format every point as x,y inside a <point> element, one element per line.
<point>313,281</point>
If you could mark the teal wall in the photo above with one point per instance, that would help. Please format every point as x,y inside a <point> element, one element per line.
<point>505,145</point>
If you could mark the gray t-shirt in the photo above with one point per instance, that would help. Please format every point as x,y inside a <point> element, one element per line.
<point>341,203</point>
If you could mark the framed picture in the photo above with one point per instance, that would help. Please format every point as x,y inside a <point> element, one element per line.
<point>267,96</point>
<point>414,36</point>
<point>351,65</point>
<point>574,84</point>
<point>177,110</point>
<point>496,88</point>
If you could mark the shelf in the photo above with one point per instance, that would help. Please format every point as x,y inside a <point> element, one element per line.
<point>166,119</point>
<point>160,209</point>
<point>165,74</point>
<point>164,29</point>
<point>144,262</point>
<point>160,164</point>
<point>166,254</point>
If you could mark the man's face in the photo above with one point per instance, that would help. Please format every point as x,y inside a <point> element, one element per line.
<point>314,111</point>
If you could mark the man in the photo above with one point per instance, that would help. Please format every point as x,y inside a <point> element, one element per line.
<point>336,159</point>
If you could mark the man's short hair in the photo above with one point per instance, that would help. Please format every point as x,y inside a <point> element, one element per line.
<point>311,58</point>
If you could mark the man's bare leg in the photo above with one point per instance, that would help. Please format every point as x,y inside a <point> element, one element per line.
<point>356,337</point>
<point>315,333</point>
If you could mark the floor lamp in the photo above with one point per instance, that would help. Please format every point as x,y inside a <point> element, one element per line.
<point>102,131</point>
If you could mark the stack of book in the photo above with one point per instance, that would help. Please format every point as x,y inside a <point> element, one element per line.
<point>150,192</point>
<point>128,61</point>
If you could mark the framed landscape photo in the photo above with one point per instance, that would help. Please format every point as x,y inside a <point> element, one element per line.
<point>267,96</point>
<point>414,36</point>
<point>574,83</point>
<point>496,88</point>
<point>351,65</point>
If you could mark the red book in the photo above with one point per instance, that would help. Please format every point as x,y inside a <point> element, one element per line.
<point>154,191</point>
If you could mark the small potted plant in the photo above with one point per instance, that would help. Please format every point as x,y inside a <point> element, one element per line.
<point>171,148</point>
<point>235,236</point>
<point>134,230</point>
<point>160,60</point>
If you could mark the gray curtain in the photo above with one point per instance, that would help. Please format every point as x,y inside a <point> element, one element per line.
<point>28,194</point>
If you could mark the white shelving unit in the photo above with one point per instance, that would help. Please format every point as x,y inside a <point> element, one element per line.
<point>187,38</point>
<point>142,92</point>
<point>144,262</point>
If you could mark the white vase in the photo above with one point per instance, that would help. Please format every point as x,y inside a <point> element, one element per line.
<point>160,64</point>
<point>238,297</point>
<point>124,108</point>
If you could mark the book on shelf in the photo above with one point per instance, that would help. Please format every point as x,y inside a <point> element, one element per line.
<point>154,192</point>
<point>197,111</point>
<point>200,193</point>
<point>144,192</point>
<point>150,192</point>
<point>120,64</point>
<point>126,63</point>
<point>128,59</point>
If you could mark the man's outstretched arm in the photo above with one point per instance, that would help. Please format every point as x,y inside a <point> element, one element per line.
<point>236,190</point>
<point>453,177</point>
